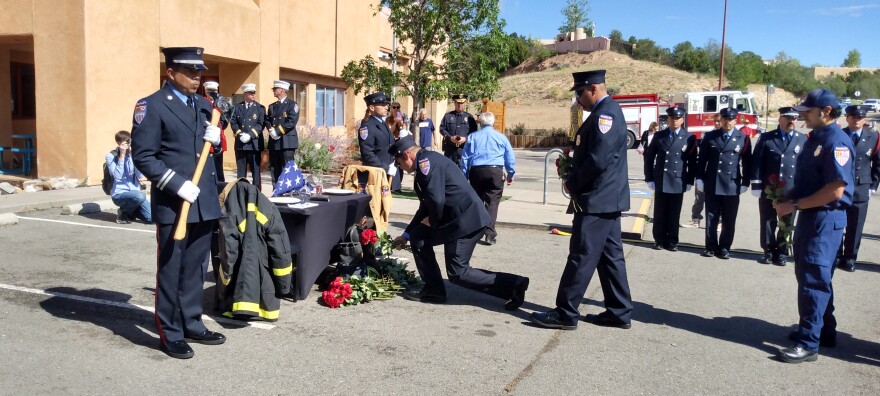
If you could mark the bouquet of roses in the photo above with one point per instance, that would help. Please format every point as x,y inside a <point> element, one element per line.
<point>337,293</point>
<point>563,163</point>
<point>775,192</point>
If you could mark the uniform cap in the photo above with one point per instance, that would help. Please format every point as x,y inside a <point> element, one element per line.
<point>459,98</point>
<point>818,98</point>
<point>249,88</point>
<point>281,84</point>
<point>728,113</point>
<point>401,145</point>
<point>857,111</point>
<point>376,98</point>
<point>190,57</point>
<point>788,112</point>
<point>211,85</point>
<point>587,77</point>
<point>676,112</point>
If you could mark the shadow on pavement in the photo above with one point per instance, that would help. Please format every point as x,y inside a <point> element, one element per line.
<point>122,321</point>
<point>752,332</point>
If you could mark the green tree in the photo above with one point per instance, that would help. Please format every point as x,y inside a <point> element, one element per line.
<point>853,59</point>
<point>744,69</point>
<point>868,84</point>
<point>431,33</point>
<point>835,83</point>
<point>646,49</point>
<point>575,14</point>
<point>615,35</point>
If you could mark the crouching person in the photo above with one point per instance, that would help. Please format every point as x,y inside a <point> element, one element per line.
<point>450,214</point>
<point>126,192</point>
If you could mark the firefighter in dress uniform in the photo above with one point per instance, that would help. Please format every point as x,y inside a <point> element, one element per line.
<point>248,118</point>
<point>450,214</point>
<point>374,137</point>
<point>823,188</point>
<point>599,188</point>
<point>281,122</point>
<point>723,166</point>
<point>455,128</point>
<point>670,161</point>
<point>867,164</point>
<point>774,162</point>
<point>169,129</point>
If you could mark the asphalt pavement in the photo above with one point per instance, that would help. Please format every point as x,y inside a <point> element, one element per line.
<point>75,295</point>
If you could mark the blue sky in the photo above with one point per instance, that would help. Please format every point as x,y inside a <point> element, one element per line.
<point>813,31</point>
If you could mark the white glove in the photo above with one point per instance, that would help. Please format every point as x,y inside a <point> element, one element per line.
<point>871,193</point>
<point>244,137</point>
<point>274,134</point>
<point>212,134</point>
<point>699,185</point>
<point>743,189</point>
<point>392,170</point>
<point>651,185</point>
<point>188,191</point>
<point>688,188</point>
<point>756,193</point>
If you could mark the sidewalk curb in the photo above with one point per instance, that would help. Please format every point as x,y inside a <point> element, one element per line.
<point>88,207</point>
<point>32,207</point>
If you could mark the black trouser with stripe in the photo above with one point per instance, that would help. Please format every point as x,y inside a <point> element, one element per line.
<point>243,158</point>
<point>488,182</point>
<point>855,224</point>
<point>667,210</point>
<point>721,208</point>
<point>772,237</point>
<point>180,279</point>
<point>218,164</point>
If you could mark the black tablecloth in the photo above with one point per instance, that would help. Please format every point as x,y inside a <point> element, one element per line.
<point>317,230</point>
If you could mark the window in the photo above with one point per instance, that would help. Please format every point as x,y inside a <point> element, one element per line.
<point>742,105</point>
<point>330,107</point>
<point>24,102</point>
<point>710,104</point>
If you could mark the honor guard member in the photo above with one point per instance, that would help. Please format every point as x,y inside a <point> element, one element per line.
<point>374,137</point>
<point>169,129</point>
<point>599,188</point>
<point>450,214</point>
<point>823,189</point>
<point>723,166</point>
<point>670,161</point>
<point>223,122</point>
<point>773,163</point>
<point>484,159</point>
<point>281,123</point>
<point>455,128</point>
<point>867,164</point>
<point>248,118</point>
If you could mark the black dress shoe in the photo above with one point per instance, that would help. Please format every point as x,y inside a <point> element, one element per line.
<point>723,254</point>
<point>425,297</point>
<point>847,265</point>
<point>767,258</point>
<point>657,246</point>
<point>707,253</point>
<point>177,349</point>
<point>490,240</point>
<point>671,247</point>
<point>518,297</point>
<point>825,341</point>
<point>552,319</point>
<point>207,337</point>
<point>779,261</point>
<point>607,319</point>
<point>796,354</point>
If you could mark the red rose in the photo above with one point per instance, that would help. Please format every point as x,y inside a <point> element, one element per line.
<point>566,151</point>
<point>332,149</point>
<point>781,183</point>
<point>368,236</point>
<point>773,179</point>
<point>330,299</point>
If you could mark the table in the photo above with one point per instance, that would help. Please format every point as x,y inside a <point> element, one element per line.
<point>317,230</point>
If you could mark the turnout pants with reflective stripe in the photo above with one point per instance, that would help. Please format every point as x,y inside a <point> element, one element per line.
<point>180,279</point>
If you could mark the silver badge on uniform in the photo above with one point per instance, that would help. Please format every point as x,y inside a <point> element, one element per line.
<point>797,149</point>
<point>868,153</point>
<point>577,140</point>
<point>818,151</point>
<point>737,147</point>
<point>684,148</point>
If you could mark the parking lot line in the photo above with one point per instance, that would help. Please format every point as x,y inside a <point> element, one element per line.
<point>86,225</point>
<point>219,319</point>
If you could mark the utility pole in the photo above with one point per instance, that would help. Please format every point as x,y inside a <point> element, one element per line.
<point>770,89</point>
<point>723,34</point>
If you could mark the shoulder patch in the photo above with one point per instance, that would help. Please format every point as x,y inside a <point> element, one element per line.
<point>605,123</point>
<point>363,132</point>
<point>841,155</point>
<point>424,166</point>
<point>140,111</point>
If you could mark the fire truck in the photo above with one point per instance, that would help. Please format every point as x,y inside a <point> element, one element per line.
<point>640,110</point>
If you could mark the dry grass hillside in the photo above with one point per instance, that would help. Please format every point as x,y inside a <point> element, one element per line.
<point>537,92</point>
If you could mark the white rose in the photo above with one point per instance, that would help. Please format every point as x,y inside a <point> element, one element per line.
<point>317,146</point>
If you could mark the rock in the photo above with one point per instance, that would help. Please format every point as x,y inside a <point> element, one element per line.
<point>8,219</point>
<point>31,188</point>
<point>62,183</point>
<point>6,188</point>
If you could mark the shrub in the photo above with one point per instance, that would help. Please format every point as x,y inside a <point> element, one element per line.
<point>319,150</point>
<point>518,129</point>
